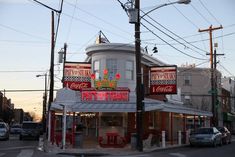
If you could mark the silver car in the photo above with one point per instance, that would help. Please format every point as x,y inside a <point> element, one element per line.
<point>205,136</point>
<point>4,131</point>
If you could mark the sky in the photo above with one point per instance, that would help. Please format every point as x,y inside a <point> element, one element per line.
<point>25,37</point>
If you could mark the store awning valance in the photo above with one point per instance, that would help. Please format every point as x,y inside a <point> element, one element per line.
<point>71,99</point>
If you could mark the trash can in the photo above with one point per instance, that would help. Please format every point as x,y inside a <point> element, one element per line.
<point>78,143</point>
<point>133,141</point>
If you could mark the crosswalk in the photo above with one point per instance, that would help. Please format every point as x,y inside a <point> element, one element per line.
<point>26,153</point>
<point>22,153</point>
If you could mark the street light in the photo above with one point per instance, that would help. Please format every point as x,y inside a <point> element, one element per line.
<point>44,103</point>
<point>134,18</point>
<point>162,5</point>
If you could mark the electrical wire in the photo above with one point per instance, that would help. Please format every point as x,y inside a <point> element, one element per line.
<point>19,31</point>
<point>226,70</point>
<point>95,26</point>
<point>71,21</point>
<point>175,35</point>
<point>200,14</point>
<point>171,45</point>
<point>210,12</point>
<point>98,18</point>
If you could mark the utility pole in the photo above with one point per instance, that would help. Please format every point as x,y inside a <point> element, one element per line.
<point>139,104</point>
<point>215,84</point>
<point>210,29</point>
<point>51,92</point>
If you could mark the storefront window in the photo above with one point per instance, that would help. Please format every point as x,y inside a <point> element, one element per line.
<point>108,120</point>
<point>97,69</point>
<point>112,67</point>
<point>129,70</point>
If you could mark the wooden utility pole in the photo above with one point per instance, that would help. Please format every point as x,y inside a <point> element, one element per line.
<point>210,29</point>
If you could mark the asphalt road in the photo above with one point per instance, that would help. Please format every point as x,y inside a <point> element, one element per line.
<point>220,151</point>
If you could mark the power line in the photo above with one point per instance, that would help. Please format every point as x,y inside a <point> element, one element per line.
<point>195,41</point>
<point>200,14</point>
<point>93,25</point>
<point>190,21</point>
<point>210,12</point>
<point>175,35</point>
<point>172,45</point>
<point>100,19</point>
<point>71,21</point>
<point>226,70</point>
<point>19,31</point>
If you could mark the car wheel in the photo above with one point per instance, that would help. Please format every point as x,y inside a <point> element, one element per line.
<point>191,145</point>
<point>214,143</point>
<point>220,142</point>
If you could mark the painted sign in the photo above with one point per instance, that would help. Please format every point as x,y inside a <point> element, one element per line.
<point>117,95</point>
<point>163,80</point>
<point>77,75</point>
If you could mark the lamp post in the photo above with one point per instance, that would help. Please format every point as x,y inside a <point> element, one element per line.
<point>134,18</point>
<point>44,103</point>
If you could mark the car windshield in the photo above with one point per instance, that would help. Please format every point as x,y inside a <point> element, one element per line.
<point>203,131</point>
<point>2,126</point>
<point>221,129</point>
<point>30,126</point>
<point>16,126</point>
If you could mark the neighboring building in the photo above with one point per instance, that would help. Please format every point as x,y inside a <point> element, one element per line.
<point>18,115</point>
<point>228,101</point>
<point>195,86</point>
<point>1,105</point>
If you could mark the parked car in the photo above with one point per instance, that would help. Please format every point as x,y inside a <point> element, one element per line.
<point>4,131</point>
<point>205,136</point>
<point>29,129</point>
<point>226,135</point>
<point>15,129</point>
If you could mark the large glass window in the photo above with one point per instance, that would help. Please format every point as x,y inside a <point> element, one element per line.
<point>112,67</point>
<point>129,70</point>
<point>97,69</point>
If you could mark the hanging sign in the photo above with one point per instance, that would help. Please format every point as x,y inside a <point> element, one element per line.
<point>163,80</point>
<point>77,75</point>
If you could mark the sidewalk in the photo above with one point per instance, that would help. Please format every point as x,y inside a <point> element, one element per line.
<point>99,151</point>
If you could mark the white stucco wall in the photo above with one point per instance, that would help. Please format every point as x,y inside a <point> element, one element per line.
<point>121,52</point>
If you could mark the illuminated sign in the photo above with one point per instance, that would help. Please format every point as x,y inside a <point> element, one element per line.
<point>105,82</point>
<point>91,94</point>
<point>77,75</point>
<point>163,80</point>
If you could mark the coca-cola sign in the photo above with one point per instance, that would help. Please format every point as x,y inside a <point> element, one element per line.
<point>77,75</point>
<point>163,80</point>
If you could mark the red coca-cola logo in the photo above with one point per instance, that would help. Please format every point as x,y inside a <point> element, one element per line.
<point>164,89</point>
<point>78,86</point>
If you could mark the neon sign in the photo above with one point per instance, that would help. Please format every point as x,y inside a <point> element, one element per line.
<point>118,95</point>
<point>106,83</point>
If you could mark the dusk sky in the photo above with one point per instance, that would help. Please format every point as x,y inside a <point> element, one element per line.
<point>25,33</point>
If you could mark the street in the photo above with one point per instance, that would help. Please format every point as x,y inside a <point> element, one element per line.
<point>16,148</point>
<point>29,148</point>
<point>225,151</point>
